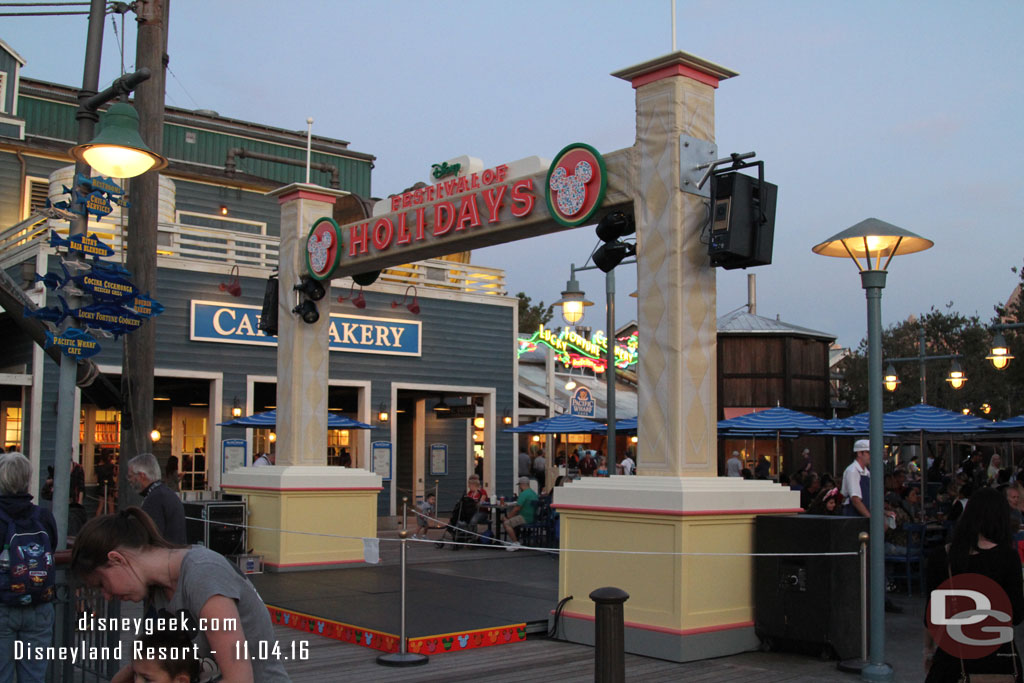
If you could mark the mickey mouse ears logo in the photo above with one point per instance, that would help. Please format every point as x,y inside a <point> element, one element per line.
<point>576,184</point>
<point>323,248</point>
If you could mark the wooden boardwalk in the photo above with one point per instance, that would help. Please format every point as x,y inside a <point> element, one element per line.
<point>541,659</point>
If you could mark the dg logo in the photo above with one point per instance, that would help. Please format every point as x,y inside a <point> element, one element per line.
<point>576,184</point>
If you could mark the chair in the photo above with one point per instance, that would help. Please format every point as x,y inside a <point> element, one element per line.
<point>540,532</point>
<point>910,563</point>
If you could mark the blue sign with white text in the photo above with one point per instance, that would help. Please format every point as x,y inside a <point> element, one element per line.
<point>213,321</point>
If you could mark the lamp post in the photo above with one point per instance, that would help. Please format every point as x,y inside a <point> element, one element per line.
<point>956,376</point>
<point>873,239</point>
<point>119,141</point>
<point>573,303</point>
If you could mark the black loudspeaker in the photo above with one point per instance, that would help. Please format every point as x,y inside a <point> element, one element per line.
<point>742,221</point>
<point>268,315</point>
<point>218,525</point>
<point>808,604</point>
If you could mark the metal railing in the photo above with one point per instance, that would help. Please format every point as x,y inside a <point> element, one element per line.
<point>71,602</point>
<point>183,246</point>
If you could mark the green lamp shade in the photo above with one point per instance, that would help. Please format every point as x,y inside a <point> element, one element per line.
<point>118,150</point>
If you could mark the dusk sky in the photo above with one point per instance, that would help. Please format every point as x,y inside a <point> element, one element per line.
<point>909,112</point>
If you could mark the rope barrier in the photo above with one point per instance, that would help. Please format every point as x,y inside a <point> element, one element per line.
<point>550,551</point>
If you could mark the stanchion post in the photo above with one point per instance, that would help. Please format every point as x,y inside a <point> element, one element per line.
<point>402,657</point>
<point>863,538</point>
<point>858,665</point>
<point>405,513</point>
<point>609,635</point>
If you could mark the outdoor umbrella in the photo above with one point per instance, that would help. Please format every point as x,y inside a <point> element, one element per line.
<point>778,422</point>
<point>1010,423</point>
<point>559,424</point>
<point>268,419</point>
<point>921,417</point>
<point>627,425</point>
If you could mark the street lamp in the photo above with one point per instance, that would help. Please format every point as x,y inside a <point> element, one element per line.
<point>573,301</point>
<point>118,150</point>
<point>956,376</point>
<point>872,240</point>
<point>1000,352</point>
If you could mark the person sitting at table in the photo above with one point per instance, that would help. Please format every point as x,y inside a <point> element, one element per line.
<point>479,495</point>
<point>587,464</point>
<point>521,513</point>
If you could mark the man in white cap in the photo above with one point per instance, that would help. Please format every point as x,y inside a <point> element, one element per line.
<point>856,488</point>
<point>734,466</point>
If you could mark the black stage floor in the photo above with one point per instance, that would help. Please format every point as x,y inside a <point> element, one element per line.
<point>447,591</point>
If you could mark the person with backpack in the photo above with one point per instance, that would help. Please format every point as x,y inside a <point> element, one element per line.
<point>27,571</point>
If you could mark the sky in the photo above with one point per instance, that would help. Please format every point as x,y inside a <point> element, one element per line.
<point>908,111</point>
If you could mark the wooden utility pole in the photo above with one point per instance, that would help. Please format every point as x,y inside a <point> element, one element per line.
<point>137,370</point>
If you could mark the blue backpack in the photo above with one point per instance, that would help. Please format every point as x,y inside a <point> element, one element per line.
<point>27,570</point>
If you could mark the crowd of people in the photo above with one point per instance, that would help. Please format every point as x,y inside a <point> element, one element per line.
<point>969,521</point>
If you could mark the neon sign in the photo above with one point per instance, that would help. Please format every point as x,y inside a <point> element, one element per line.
<point>574,350</point>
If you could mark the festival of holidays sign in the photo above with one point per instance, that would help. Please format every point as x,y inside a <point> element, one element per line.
<point>472,209</point>
<point>212,321</point>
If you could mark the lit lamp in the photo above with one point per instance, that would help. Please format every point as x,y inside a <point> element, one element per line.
<point>154,435</point>
<point>236,409</point>
<point>273,437</point>
<point>573,301</point>
<point>479,422</point>
<point>507,417</point>
<point>956,376</point>
<point>118,150</point>
<point>873,240</point>
<point>890,379</point>
<point>1000,352</point>
<point>382,414</point>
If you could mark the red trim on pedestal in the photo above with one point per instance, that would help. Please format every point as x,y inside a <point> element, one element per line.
<point>308,194</point>
<point>679,513</point>
<point>675,70</point>
<point>665,629</point>
<point>302,488</point>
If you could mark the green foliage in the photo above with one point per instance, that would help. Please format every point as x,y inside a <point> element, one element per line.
<point>532,316</point>
<point>945,333</point>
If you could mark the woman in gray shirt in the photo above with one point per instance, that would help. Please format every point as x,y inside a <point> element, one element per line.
<point>125,556</point>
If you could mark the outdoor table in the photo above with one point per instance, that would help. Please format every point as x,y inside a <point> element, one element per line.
<point>497,510</point>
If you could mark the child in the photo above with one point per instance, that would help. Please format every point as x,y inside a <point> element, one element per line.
<point>165,657</point>
<point>424,510</point>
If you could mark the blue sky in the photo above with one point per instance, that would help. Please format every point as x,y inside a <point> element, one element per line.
<point>904,111</point>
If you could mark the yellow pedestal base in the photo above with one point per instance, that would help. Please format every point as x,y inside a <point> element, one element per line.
<point>324,503</point>
<point>694,602</point>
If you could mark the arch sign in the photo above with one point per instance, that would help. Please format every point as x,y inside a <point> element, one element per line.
<point>472,210</point>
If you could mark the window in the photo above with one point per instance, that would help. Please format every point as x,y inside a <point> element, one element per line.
<point>12,427</point>
<point>3,92</point>
<point>37,191</point>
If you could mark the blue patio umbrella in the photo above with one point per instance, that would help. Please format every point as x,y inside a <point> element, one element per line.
<point>780,423</point>
<point>921,417</point>
<point>268,419</point>
<point>559,424</point>
<point>628,425</point>
<point>773,421</point>
<point>1009,423</point>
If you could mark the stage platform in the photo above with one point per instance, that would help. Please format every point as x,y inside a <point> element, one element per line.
<point>456,600</point>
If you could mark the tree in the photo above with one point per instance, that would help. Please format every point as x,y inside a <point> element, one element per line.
<point>1010,380</point>
<point>946,333</point>
<point>532,316</point>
